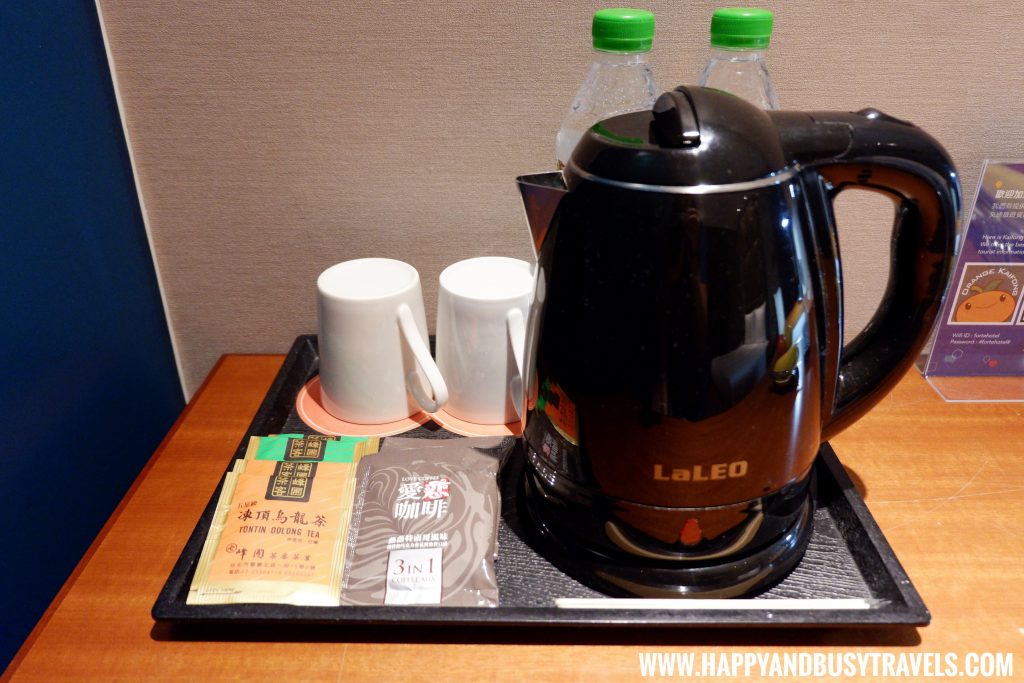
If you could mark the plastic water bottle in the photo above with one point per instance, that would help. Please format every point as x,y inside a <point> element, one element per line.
<point>739,41</point>
<point>619,79</point>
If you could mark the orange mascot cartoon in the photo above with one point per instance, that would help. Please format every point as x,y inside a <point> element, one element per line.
<point>987,305</point>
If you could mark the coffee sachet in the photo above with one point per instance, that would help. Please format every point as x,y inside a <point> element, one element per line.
<point>424,526</point>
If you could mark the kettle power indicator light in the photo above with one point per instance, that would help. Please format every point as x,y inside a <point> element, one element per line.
<point>691,533</point>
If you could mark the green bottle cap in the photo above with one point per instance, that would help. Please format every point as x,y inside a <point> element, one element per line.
<point>741,27</point>
<point>623,30</point>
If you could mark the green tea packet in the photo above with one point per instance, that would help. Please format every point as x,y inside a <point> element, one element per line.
<point>310,448</point>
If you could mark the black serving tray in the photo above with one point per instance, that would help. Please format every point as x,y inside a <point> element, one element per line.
<point>848,557</point>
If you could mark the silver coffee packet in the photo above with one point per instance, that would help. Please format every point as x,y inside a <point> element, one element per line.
<point>424,524</point>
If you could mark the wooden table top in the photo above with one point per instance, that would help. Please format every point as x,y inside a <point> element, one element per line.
<point>944,481</point>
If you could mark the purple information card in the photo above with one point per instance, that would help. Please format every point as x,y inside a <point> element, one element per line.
<point>981,330</point>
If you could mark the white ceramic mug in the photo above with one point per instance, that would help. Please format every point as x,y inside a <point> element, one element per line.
<point>373,349</point>
<point>482,309</point>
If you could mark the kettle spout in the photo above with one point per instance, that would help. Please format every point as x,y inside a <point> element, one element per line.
<point>542,193</point>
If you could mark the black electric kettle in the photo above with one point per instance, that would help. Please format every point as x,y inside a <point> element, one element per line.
<point>687,332</point>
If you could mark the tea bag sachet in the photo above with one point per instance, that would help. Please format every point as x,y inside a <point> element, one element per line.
<point>311,448</point>
<point>278,532</point>
<point>424,524</point>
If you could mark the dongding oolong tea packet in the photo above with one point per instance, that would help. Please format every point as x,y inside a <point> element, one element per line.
<point>278,535</point>
<point>424,524</point>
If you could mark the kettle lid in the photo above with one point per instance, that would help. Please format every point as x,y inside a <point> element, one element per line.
<point>692,136</point>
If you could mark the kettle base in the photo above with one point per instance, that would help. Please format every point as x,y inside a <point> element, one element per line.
<point>616,577</point>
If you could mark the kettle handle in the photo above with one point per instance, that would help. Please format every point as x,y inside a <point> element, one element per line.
<point>924,232</point>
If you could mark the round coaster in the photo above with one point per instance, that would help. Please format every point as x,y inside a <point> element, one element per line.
<point>463,428</point>
<point>311,411</point>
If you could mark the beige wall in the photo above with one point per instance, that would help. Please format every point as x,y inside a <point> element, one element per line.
<point>274,139</point>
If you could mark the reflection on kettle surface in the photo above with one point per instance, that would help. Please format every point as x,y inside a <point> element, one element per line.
<point>684,338</point>
<point>690,348</point>
<point>791,345</point>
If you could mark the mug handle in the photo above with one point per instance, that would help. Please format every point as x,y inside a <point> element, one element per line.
<point>411,334</point>
<point>516,327</point>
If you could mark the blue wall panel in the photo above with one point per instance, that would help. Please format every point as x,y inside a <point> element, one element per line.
<point>89,385</point>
